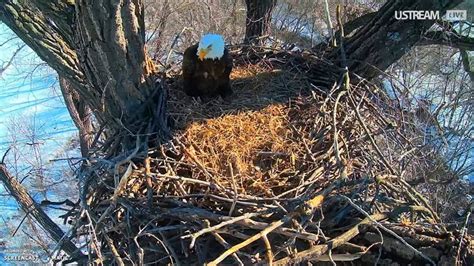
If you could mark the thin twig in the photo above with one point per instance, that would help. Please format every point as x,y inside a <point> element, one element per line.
<point>463,232</point>
<point>5,155</point>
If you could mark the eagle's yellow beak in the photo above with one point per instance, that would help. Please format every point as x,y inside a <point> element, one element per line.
<point>202,53</point>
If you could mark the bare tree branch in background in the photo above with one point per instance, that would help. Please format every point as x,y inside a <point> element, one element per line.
<point>432,83</point>
<point>166,19</point>
<point>30,207</point>
<point>6,65</point>
<point>158,27</point>
<point>448,38</point>
<point>457,35</point>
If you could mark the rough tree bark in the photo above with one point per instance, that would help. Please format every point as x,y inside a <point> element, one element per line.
<point>80,113</point>
<point>97,47</point>
<point>259,15</point>
<point>384,39</point>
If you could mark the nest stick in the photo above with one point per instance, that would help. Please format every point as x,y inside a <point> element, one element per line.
<point>463,232</point>
<point>217,227</point>
<point>388,230</point>
<point>319,250</point>
<point>372,140</point>
<point>114,251</point>
<point>249,241</point>
<point>336,133</point>
<point>313,203</point>
<point>268,247</point>
<point>224,243</point>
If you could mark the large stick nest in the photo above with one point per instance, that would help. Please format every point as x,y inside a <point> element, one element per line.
<point>301,165</point>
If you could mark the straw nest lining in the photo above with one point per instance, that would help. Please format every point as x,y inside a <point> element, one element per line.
<point>295,166</point>
<point>251,144</point>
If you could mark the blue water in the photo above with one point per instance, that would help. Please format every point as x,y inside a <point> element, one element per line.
<point>450,143</point>
<point>30,99</point>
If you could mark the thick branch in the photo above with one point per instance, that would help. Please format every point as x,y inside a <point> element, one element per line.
<point>97,46</point>
<point>29,206</point>
<point>38,32</point>
<point>384,39</point>
<point>352,25</point>
<point>448,39</point>
<point>61,13</point>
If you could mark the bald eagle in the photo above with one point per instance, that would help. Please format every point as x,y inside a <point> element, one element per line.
<point>206,68</point>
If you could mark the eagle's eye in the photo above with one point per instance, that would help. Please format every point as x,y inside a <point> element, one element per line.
<point>209,46</point>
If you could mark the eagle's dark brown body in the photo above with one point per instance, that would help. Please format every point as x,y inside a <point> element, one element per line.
<point>206,77</point>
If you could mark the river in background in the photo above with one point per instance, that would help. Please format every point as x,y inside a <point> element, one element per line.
<point>33,119</point>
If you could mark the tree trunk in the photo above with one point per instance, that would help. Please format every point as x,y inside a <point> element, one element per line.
<point>384,39</point>
<point>30,207</point>
<point>80,113</point>
<point>259,15</point>
<point>97,47</point>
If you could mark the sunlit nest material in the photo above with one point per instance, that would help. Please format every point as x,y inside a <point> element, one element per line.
<point>276,176</point>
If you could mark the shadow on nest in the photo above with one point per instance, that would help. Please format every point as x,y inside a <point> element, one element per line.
<point>256,138</point>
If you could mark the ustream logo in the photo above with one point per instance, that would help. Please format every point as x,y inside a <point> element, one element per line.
<point>451,15</point>
<point>416,15</point>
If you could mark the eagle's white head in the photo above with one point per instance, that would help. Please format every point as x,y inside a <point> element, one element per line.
<point>211,46</point>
